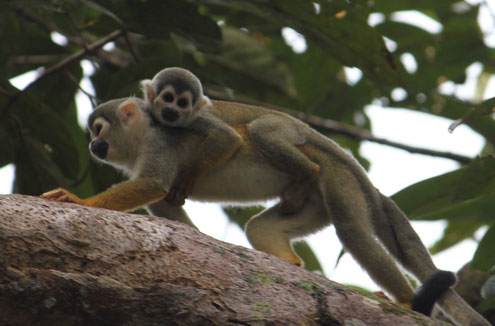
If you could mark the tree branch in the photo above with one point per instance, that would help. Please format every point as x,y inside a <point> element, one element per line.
<point>66,264</point>
<point>62,65</point>
<point>360,134</point>
<point>50,27</point>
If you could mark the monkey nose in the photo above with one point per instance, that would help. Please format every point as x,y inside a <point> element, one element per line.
<point>99,148</point>
<point>169,114</point>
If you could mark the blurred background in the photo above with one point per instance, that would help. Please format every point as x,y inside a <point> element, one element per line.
<point>406,86</point>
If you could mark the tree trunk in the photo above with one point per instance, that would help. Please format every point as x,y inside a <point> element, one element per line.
<point>64,264</point>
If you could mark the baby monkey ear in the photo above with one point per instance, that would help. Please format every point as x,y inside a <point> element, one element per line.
<point>129,113</point>
<point>149,93</point>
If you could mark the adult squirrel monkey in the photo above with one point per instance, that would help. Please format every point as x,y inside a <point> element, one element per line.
<point>371,227</point>
<point>176,98</point>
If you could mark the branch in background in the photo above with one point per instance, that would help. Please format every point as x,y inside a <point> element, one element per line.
<point>361,134</point>
<point>92,98</point>
<point>348,130</point>
<point>61,65</point>
<point>112,58</point>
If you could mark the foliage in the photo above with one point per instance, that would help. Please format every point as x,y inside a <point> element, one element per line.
<point>238,50</point>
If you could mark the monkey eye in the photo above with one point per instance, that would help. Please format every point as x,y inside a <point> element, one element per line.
<point>182,103</point>
<point>97,128</point>
<point>168,97</point>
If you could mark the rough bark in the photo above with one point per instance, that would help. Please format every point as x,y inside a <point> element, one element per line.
<point>64,264</point>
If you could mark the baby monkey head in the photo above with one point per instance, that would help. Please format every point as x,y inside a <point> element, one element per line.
<point>116,128</point>
<point>175,96</point>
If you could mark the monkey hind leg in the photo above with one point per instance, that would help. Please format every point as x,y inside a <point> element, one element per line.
<point>396,233</point>
<point>272,231</point>
<point>351,203</point>
<point>280,144</point>
<point>375,260</point>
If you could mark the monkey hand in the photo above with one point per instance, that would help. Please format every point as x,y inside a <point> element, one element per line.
<point>181,188</point>
<point>63,196</point>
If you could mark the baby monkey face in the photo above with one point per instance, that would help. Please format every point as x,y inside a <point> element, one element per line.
<point>173,109</point>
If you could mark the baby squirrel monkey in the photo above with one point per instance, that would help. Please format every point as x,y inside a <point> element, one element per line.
<point>176,98</point>
<point>371,227</point>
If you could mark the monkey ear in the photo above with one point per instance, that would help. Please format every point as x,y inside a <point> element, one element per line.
<point>203,103</point>
<point>129,112</point>
<point>149,93</point>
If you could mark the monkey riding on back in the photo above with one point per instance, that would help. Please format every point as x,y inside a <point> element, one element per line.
<point>132,135</point>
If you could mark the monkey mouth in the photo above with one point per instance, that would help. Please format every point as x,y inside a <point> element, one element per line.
<point>169,114</point>
<point>99,148</point>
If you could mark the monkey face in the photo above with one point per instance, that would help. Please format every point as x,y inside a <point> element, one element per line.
<point>173,109</point>
<point>98,146</point>
<point>115,128</point>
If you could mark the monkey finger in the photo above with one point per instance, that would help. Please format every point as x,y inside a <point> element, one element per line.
<point>54,194</point>
<point>66,199</point>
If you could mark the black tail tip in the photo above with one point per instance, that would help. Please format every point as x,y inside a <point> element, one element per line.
<point>432,290</point>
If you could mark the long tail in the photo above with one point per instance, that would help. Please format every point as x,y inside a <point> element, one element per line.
<point>394,230</point>
<point>436,283</point>
<point>432,290</point>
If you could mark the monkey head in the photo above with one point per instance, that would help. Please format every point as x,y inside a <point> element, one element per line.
<point>175,96</point>
<point>115,128</point>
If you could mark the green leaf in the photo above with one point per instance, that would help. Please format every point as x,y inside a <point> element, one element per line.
<point>35,50</point>
<point>343,31</point>
<point>159,18</point>
<point>456,231</point>
<point>461,31</point>
<point>484,259</point>
<point>477,179</point>
<point>400,5</point>
<point>339,28</point>
<point>35,119</point>
<point>484,108</point>
<point>249,65</point>
<point>428,195</point>
<point>35,171</point>
<point>466,193</point>
<point>451,108</point>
